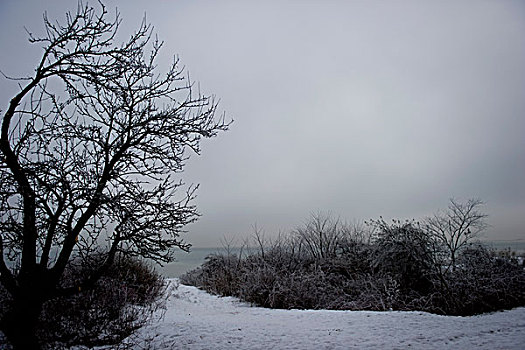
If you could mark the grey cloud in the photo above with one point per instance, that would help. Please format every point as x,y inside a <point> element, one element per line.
<point>362,108</point>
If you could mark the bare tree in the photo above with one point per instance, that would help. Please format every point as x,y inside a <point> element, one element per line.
<point>90,151</point>
<point>457,226</point>
<point>321,235</point>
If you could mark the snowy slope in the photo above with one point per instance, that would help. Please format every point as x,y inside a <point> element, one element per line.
<point>197,320</point>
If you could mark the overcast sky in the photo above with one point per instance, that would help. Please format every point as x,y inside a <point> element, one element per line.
<point>360,108</point>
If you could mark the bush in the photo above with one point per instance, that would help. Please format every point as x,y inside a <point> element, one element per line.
<point>481,282</point>
<point>403,251</point>
<point>121,301</point>
<point>218,275</point>
<point>400,268</point>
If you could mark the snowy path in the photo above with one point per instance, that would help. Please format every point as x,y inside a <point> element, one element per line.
<point>197,320</point>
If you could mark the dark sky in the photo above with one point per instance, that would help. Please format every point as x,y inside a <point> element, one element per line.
<point>360,108</point>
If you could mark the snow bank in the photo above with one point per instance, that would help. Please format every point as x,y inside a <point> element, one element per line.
<point>197,320</point>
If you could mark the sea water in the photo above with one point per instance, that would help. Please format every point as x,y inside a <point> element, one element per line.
<point>185,262</point>
<point>515,246</point>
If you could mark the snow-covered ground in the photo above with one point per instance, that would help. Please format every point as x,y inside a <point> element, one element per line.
<point>197,320</point>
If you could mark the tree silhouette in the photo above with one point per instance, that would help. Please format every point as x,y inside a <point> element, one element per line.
<point>90,151</point>
<point>456,227</point>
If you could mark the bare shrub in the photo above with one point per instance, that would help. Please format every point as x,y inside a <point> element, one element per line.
<point>220,274</point>
<point>122,301</point>
<point>321,236</point>
<point>482,282</point>
<point>389,266</point>
<point>404,251</point>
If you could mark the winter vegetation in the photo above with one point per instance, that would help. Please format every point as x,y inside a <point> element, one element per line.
<point>91,148</point>
<point>122,300</point>
<point>433,265</point>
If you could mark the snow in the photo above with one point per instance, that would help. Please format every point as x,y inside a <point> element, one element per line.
<point>194,319</point>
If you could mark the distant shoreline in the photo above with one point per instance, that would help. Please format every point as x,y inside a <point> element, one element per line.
<point>514,245</point>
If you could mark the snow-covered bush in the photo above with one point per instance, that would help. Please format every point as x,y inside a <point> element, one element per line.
<point>119,303</point>
<point>400,267</point>
<point>481,282</point>
<point>220,274</point>
<point>403,251</point>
